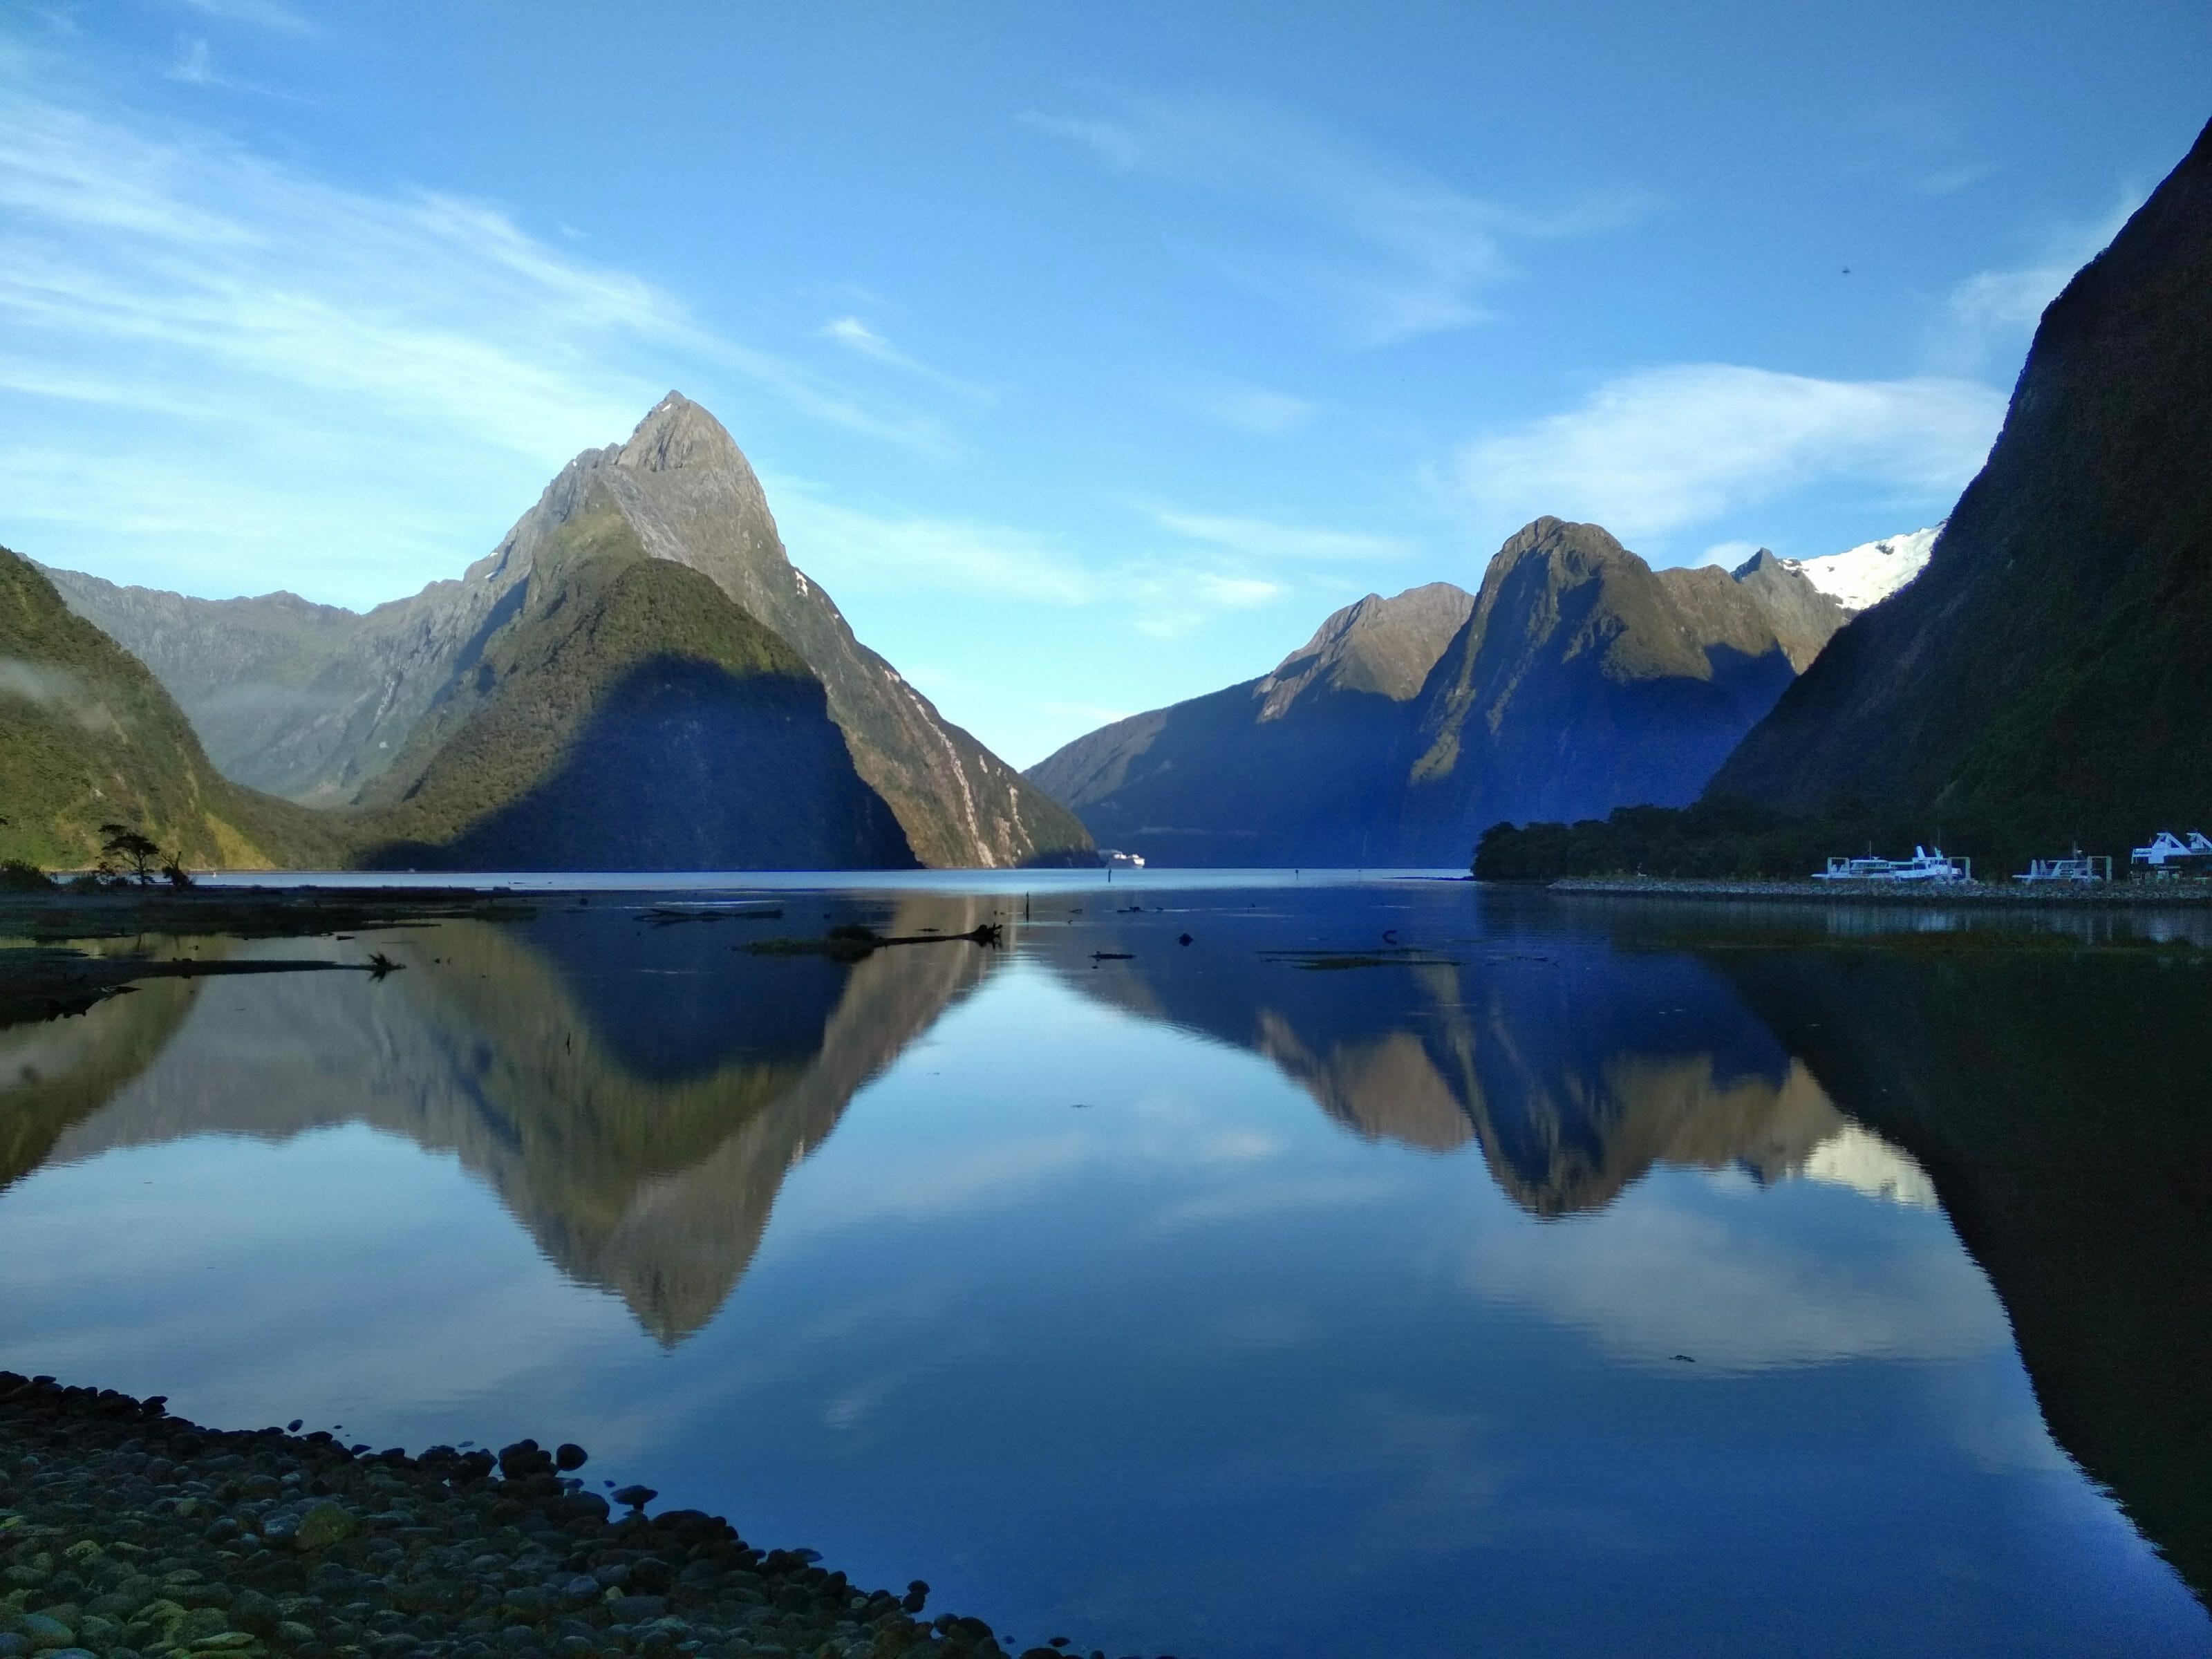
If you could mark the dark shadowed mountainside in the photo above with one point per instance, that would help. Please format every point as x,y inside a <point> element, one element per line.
<point>317,702</point>
<point>1292,768</point>
<point>1585,680</point>
<point>1577,680</point>
<point>2051,672</point>
<point>628,717</point>
<point>89,736</point>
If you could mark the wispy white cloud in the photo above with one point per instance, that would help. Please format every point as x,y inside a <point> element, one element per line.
<point>1988,317</point>
<point>1169,602</point>
<point>182,249</point>
<point>1249,408</point>
<point>262,14</point>
<point>195,67</point>
<point>1949,181</point>
<point>1264,538</point>
<point>161,277</point>
<point>845,547</point>
<point>1163,595</point>
<point>1111,142</point>
<point>1662,450</point>
<point>1389,251</point>
<point>856,336</point>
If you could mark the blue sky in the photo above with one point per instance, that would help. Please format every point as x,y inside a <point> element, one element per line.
<point>1090,355</point>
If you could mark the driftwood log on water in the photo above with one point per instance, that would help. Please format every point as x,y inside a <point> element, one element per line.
<point>850,941</point>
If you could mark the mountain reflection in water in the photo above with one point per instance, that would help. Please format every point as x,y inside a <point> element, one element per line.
<point>635,1095</point>
<point>638,1096</point>
<point>1574,1070</point>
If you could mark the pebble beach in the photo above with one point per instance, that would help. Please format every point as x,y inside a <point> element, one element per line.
<point>128,1533</point>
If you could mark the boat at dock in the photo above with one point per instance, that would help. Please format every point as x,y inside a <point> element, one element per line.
<point>1923,866</point>
<point>2169,855</point>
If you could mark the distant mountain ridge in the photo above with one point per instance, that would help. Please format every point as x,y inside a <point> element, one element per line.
<point>2046,679</point>
<point>89,736</point>
<point>319,702</point>
<point>1578,679</point>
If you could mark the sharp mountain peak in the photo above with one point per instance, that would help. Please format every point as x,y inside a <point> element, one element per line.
<point>679,432</point>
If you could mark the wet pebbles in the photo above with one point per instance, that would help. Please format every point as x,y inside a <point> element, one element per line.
<point>126,1532</point>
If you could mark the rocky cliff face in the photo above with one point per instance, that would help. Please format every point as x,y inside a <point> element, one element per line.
<point>2047,677</point>
<point>1577,680</point>
<point>317,702</point>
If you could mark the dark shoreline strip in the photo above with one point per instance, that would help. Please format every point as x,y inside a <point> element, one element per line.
<point>126,1532</point>
<point>2116,896</point>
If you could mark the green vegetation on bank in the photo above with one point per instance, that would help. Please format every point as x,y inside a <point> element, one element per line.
<point>89,739</point>
<point>1725,837</point>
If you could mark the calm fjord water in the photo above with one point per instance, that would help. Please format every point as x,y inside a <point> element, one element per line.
<point>1394,1269</point>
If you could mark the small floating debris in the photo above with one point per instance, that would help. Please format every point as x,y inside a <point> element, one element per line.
<point>1320,961</point>
<point>668,915</point>
<point>848,942</point>
<point>1112,956</point>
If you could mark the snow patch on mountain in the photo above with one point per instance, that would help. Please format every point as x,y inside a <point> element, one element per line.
<point>1867,574</point>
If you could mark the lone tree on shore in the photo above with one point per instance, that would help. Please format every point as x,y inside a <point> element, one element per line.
<point>130,856</point>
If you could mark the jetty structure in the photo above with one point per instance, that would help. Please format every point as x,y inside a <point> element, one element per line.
<point>2079,866</point>
<point>2168,856</point>
<point>1924,866</point>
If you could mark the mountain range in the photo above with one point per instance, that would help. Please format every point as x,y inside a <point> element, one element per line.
<point>636,676</point>
<point>1574,680</point>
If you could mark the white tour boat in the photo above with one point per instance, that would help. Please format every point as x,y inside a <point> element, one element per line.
<point>1922,866</point>
<point>2168,854</point>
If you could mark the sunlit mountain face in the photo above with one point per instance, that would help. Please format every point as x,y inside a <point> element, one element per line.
<point>1485,1231</point>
